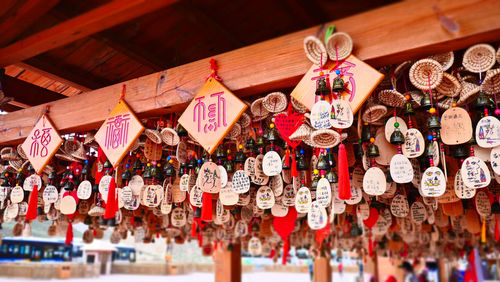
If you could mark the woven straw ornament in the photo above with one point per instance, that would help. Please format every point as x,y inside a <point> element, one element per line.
<point>275,102</point>
<point>169,136</point>
<point>325,138</point>
<point>445,59</point>
<point>392,98</point>
<point>154,135</point>
<point>426,72</point>
<point>315,50</point>
<point>339,46</point>
<point>449,86</point>
<point>491,83</point>
<point>479,58</point>
<point>374,112</point>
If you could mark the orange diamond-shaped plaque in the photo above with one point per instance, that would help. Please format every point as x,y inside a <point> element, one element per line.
<point>118,132</point>
<point>42,143</point>
<point>211,114</point>
<point>360,79</point>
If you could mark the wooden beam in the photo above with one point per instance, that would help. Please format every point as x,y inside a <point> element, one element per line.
<point>275,64</point>
<point>26,94</point>
<point>99,19</point>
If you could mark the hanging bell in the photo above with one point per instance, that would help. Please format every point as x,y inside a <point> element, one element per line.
<point>397,137</point>
<point>358,151</point>
<point>137,166</point>
<point>30,169</point>
<point>85,169</point>
<point>332,176</point>
<point>283,163</point>
<point>229,165</point>
<point>460,152</point>
<point>147,172</point>
<point>168,170</point>
<point>388,177</point>
<point>495,208</point>
<point>255,227</point>
<point>425,103</point>
<point>192,163</point>
<point>323,162</point>
<point>220,153</point>
<point>68,186</point>
<point>429,149</point>
<point>365,134</point>
<point>52,175</point>
<point>20,177</point>
<point>260,141</point>
<point>272,135</point>
<point>197,213</point>
<point>314,182</point>
<point>301,163</point>
<point>126,175</point>
<point>373,151</point>
<point>182,169</point>
<point>433,122</point>
<point>322,88</point>
<point>181,131</point>
<point>250,144</point>
<point>107,165</point>
<point>338,85</point>
<point>481,101</point>
<point>155,172</point>
<point>240,157</point>
<point>408,109</point>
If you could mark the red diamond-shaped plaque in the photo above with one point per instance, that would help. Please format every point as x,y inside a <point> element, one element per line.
<point>118,132</point>
<point>211,114</point>
<point>42,143</point>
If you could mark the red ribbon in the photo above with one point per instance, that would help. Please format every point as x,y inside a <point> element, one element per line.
<point>33,204</point>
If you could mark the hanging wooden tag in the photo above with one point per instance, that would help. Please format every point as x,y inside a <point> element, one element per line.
<point>401,169</point>
<point>356,196</point>
<point>227,196</point>
<point>341,115</point>
<point>488,132</point>
<point>184,182</point>
<point>152,195</point>
<point>250,166</point>
<point>50,194</point>
<point>223,176</point>
<point>254,246</point>
<point>386,149</point>
<point>360,79</point>
<point>31,181</point>
<point>211,114</point>
<point>84,190</point>
<point>399,206</point>
<point>271,163</point>
<point>316,217</point>
<point>240,182</point>
<point>323,193</point>
<point>357,177</point>
<point>178,217</point>
<point>418,212</point>
<point>288,198</point>
<point>433,182</point>
<point>68,205</point>
<point>209,178</point>
<point>279,210</point>
<point>119,132</point>
<point>265,198</point>
<point>495,159</point>
<point>364,211</point>
<point>483,205</point>
<point>16,194</point>
<point>136,183</point>
<point>456,126</point>
<point>389,127</point>
<point>449,195</point>
<point>320,115</point>
<point>475,173</point>
<point>196,196</point>
<point>152,150</point>
<point>303,200</point>
<point>338,206</point>
<point>41,144</point>
<point>374,182</point>
<point>414,145</point>
<point>11,211</point>
<point>276,184</point>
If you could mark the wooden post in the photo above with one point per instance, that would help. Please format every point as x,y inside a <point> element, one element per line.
<point>228,264</point>
<point>322,270</point>
<point>442,271</point>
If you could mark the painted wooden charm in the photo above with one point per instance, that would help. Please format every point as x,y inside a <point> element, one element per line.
<point>433,182</point>
<point>456,126</point>
<point>374,182</point>
<point>341,115</point>
<point>475,173</point>
<point>401,169</point>
<point>488,132</point>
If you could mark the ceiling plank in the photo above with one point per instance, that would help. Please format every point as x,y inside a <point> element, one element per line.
<point>276,64</point>
<point>16,22</point>
<point>26,94</point>
<point>99,19</point>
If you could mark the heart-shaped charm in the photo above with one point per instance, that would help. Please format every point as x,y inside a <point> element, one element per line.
<point>287,124</point>
<point>284,225</point>
<point>372,218</point>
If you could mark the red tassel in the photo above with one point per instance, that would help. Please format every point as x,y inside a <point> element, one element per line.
<point>286,248</point>
<point>111,206</point>
<point>370,246</point>
<point>33,204</point>
<point>206,207</point>
<point>69,234</point>
<point>295,173</point>
<point>132,220</point>
<point>497,232</point>
<point>287,157</point>
<point>344,183</point>
<point>101,157</point>
<point>193,229</point>
<point>272,254</point>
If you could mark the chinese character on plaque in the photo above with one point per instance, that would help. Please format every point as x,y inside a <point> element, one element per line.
<point>360,79</point>
<point>119,132</point>
<point>42,143</point>
<point>211,114</point>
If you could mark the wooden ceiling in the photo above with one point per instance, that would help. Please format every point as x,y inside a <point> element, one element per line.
<point>124,44</point>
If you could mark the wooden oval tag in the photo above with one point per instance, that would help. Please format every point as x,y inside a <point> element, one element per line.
<point>399,206</point>
<point>401,169</point>
<point>250,166</point>
<point>279,210</point>
<point>241,228</point>
<point>414,145</point>
<point>196,196</point>
<point>488,132</point>
<point>418,212</point>
<point>303,200</point>
<point>374,182</point>
<point>136,183</point>
<point>16,194</point>
<point>356,196</point>
<point>240,182</point>
<point>254,246</point>
<point>456,126</point>
<point>184,182</point>
<point>386,149</point>
<point>244,200</point>
<point>209,178</point>
<point>152,195</point>
<point>84,190</point>
<point>323,193</point>
<point>178,217</point>
<point>12,210</point>
<point>265,198</point>
<point>357,177</point>
<point>288,198</point>
<point>433,182</point>
<point>462,191</point>
<point>50,194</point>
<point>338,206</point>
<point>276,184</point>
<point>316,217</point>
<point>181,152</point>
<point>31,181</point>
<point>271,163</point>
<point>389,127</point>
<point>227,196</point>
<point>483,205</point>
<point>223,176</point>
<point>152,150</point>
<point>126,194</point>
<point>475,173</point>
<point>178,196</point>
<point>364,211</point>
<point>495,159</point>
<point>68,205</point>
<point>341,114</point>
<point>321,115</point>
<point>104,186</point>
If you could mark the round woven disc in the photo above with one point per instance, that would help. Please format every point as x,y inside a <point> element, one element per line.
<point>244,120</point>
<point>170,137</point>
<point>275,102</point>
<point>325,138</point>
<point>315,50</point>
<point>392,98</point>
<point>302,133</point>
<point>374,112</point>
<point>491,83</point>
<point>425,72</point>
<point>297,106</point>
<point>339,46</point>
<point>468,93</point>
<point>258,109</point>
<point>445,59</point>
<point>449,86</point>
<point>479,58</point>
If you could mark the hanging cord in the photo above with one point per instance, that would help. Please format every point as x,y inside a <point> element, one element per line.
<point>213,71</point>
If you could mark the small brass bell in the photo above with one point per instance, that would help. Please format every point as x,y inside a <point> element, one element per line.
<point>388,177</point>
<point>283,163</point>
<point>425,103</point>
<point>229,165</point>
<point>314,182</point>
<point>181,131</point>
<point>107,165</point>
<point>126,175</point>
<point>147,172</point>
<point>20,177</point>
<point>332,176</point>
<point>481,101</point>
<point>68,186</point>
<point>192,163</point>
<point>358,151</point>
<point>495,208</point>
<point>433,122</point>
<point>338,85</point>
<point>373,151</point>
<point>85,169</point>
<point>155,172</point>
<point>255,227</point>
<point>30,169</point>
<point>260,141</point>
<point>408,109</point>
<point>182,169</point>
<point>272,135</point>
<point>53,175</point>
<point>301,163</point>
<point>460,152</point>
<point>220,153</point>
<point>240,157</point>
<point>429,149</point>
<point>323,162</point>
<point>197,213</point>
<point>322,88</point>
<point>397,137</point>
<point>137,165</point>
<point>250,144</point>
<point>168,169</point>
<point>365,134</point>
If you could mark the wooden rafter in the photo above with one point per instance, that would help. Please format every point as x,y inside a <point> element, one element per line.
<point>26,94</point>
<point>99,19</point>
<point>379,39</point>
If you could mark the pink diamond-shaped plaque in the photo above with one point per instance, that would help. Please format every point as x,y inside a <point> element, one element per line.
<point>118,132</point>
<point>211,114</point>
<point>42,143</point>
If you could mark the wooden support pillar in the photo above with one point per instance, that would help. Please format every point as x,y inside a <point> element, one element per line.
<point>228,264</point>
<point>442,270</point>
<point>322,270</point>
